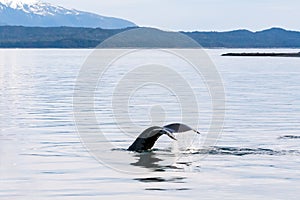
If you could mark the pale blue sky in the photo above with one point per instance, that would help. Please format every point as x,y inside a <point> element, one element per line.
<point>218,15</point>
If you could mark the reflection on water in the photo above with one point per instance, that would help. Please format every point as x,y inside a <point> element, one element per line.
<point>161,180</point>
<point>148,160</point>
<point>41,156</point>
<point>152,159</point>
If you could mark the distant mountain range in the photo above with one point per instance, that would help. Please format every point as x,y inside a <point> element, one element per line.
<point>71,37</point>
<point>270,38</point>
<point>35,13</point>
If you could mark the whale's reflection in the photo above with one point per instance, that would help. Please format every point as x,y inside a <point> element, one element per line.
<point>150,160</point>
<point>157,161</point>
<point>147,160</point>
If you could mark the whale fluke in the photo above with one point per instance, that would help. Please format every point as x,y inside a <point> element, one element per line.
<point>148,137</point>
<point>179,128</point>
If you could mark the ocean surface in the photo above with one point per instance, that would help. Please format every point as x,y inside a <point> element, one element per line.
<point>43,154</point>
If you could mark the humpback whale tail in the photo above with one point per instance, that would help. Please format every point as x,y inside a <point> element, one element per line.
<point>148,137</point>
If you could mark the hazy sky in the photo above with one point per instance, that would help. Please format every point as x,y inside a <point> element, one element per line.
<point>218,15</point>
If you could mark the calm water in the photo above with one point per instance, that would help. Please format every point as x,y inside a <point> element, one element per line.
<point>41,156</point>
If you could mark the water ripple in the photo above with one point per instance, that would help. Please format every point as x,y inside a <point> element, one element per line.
<point>161,179</point>
<point>236,151</point>
<point>289,137</point>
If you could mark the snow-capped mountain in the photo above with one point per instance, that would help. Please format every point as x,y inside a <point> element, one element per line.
<point>38,13</point>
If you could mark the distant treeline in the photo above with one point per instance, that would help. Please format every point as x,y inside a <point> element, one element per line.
<point>71,37</point>
<point>271,38</point>
<point>53,37</point>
